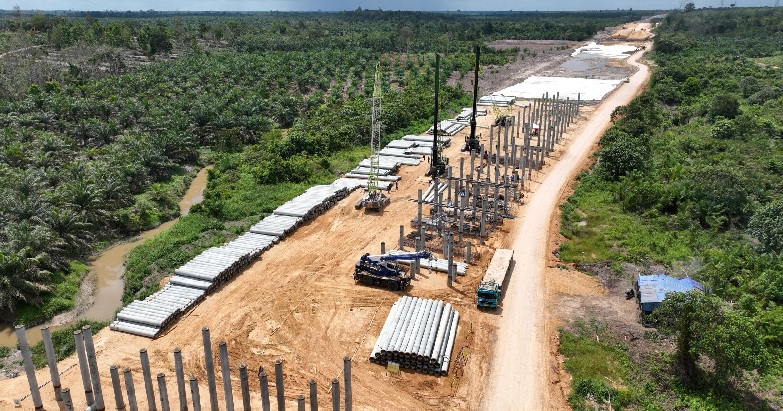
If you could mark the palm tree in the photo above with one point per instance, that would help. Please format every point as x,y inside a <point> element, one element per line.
<point>21,279</point>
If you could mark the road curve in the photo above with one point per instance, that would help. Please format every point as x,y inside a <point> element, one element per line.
<point>518,375</point>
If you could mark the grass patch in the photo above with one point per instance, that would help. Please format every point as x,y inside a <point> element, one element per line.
<point>63,343</point>
<point>4,351</point>
<point>62,298</point>
<point>598,369</point>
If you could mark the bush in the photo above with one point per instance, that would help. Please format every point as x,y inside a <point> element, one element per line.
<point>723,129</point>
<point>767,226</point>
<point>724,105</point>
<point>621,158</point>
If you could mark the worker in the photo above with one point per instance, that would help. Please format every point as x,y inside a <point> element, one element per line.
<point>397,185</point>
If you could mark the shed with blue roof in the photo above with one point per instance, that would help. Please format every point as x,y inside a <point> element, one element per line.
<point>653,289</point>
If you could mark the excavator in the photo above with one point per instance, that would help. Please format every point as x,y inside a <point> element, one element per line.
<point>385,271</point>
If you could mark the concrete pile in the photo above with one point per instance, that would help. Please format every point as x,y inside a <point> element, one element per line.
<point>418,335</point>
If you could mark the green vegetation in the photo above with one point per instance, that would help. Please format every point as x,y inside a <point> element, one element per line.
<point>690,176</point>
<point>104,117</point>
<point>62,340</point>
<point>4,351</point>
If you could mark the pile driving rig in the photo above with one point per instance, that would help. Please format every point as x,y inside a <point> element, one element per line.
<point>471,141</point>
<point>383,269</point>
<point>374,199</point>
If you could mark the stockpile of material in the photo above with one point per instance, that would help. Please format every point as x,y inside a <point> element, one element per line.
<point>447,128</point>
<point>467,113</point>
<point>419,335</point>
<point>435,264</point>
<point>498,100</point>
<point>313,202</point>
<point>217,265</point>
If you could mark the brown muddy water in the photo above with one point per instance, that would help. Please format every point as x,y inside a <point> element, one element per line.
<point>107,268</point>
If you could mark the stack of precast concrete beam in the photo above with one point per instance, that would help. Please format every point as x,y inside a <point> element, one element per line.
<point>426,140</point>
<point>467,113</point>
<point>447,128</point>
<point>419,335</point>
<point>217,265</point>
<point>496,100</point>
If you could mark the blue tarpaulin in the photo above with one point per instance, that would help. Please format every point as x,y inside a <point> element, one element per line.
<point>653,289</point>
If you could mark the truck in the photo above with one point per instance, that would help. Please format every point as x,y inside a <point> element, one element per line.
<point>489,290</point>
<point>384,270</point>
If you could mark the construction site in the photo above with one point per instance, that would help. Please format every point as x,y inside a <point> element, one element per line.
<point>362,294</point>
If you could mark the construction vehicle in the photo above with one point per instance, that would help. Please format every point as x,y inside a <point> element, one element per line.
<point>384,270</point>
<point>471,141</point>
<point>489,290</point>
<point>374,199</point>
<point>437,163</point>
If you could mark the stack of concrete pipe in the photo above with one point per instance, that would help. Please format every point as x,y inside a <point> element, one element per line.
<point>217,265</point>
<point>365,171</point>
<point>313,202</point>
<point>447,128</point>
<point>419,335</point>
<point>446,141</point>
<point>276,225</point>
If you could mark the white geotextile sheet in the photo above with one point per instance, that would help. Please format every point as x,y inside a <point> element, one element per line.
<point>613,51</point>
<point>570,87</point>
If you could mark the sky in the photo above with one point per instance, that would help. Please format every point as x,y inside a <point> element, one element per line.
<point>337,5</point>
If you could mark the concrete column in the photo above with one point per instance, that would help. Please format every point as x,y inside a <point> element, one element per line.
<point>164,394</point>
<point>436,196</point>
<point>448,185</point>
<point>402,237</point>
<point>115,382</point>
<point>210,368</point>
<point>92,361</point>
<point>472,163</point>
<point>279,385</point>
<point>51,358</point>
<point>335,395</point>
<point>194,394</point>
<point>423,238</point>
<point>226,372</point>
<point>467,252</point>
<point>29,367</point>
<point>243,383</point>
<point>130,390</point>
<point>419,208</point>
<point>449,272</point>
<point>313,395</point>
<point>262,380</point>
<point>145,371</point>
<point>300,402</point>
<point>67,401</point>
<point>83,367</point>
<point>183,401</point>
<point>347,382</point>
<point>483,227</point>
<point>383,247</point>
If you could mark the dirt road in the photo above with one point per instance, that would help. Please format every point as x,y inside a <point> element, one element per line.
<point>518,377</point>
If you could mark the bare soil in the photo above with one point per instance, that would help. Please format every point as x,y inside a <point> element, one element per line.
<point>299,303</point>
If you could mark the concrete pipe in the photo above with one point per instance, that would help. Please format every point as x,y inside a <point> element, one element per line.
<point>92,361</point>
<point>29,367</point>
<point>264,386</point>
<point>441,334</point>
<point>83,367</point>
<point>407,324</point>
<point>145,371</point>
<point>453,334</point>
<point>115,383</point>
<point>164,394</point>
<point>335,395</point>
<point>279,385</point>
<point>210,369</point>
<point>313,395</point>
<point>194,394</point>
<point>51,358</point>
<point>183,401</point>
<point>400,325</point>
<point>245,387</point>
<point>226,373</point>
<point>67,401</point>
<point>347,383</point>
<point>130,390</point>
<point>420,327</point>
<point>300,402</point>
<point>432,329</point>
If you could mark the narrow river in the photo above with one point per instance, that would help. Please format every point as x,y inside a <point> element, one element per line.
<point>107,268</point>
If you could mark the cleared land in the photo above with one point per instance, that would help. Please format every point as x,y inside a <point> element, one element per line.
<point>299,303</point>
